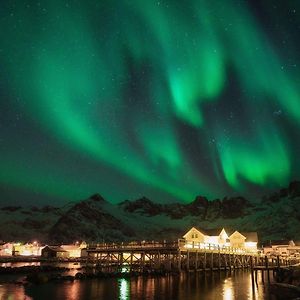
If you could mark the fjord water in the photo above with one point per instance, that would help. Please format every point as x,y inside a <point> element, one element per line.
<point>212,286</point>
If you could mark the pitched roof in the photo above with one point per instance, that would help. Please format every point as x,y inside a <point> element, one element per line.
<point>214,231</point>
<point>210,232</point>
<point>195,228</point>
<point>237,232</point>
<point>55,248</point>
<point>250,236</point>
<point>279,243</point>
<point>70,247</point>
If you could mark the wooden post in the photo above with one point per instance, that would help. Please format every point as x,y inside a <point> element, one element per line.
<point>179,260</point>
<point>233,261</point>
<point>256,271</point>
<point>212,261</point>
<point>196,261</point>
<point>188,260</point>
<point>267,267</point>
<point>252,275</point>
<point>204,264</point>
<point>262,273</point>
<point>143,260</point>
<point>131,260</point>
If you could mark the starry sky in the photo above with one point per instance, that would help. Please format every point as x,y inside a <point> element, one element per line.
<point>167,99</point>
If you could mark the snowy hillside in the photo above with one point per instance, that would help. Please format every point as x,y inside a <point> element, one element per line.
<point>276,216</point>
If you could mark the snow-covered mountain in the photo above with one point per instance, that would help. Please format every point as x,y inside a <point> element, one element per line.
<point>276,216</point>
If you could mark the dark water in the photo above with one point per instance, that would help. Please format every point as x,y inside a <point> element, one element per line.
<point>237,285</point>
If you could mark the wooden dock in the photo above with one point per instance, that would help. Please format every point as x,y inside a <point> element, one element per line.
<point>266,265</point>
<point>176,256</point>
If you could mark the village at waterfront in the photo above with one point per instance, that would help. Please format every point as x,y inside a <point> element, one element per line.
<point>198,249</point>
<point>213,239</point>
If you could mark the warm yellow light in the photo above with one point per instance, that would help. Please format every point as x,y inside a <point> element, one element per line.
<point>212,240</point>
<point>250,244</point>
<point>228,293</point>
<point>26,252</point>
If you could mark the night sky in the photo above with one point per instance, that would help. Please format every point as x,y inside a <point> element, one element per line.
<point>167,99</point>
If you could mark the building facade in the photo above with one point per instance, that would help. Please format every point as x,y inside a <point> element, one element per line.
<point>221,238</point>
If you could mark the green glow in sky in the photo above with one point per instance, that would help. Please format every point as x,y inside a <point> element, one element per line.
<point>143,93</point>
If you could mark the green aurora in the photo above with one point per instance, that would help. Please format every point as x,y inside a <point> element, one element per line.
<point>164,98</point>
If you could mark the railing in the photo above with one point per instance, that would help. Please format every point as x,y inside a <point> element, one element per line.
<point>181,244</point>
<point>134,245</point>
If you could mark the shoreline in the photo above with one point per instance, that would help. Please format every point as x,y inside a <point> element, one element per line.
<point>25,259</point>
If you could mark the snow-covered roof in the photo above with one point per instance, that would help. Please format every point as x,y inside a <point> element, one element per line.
<point>250,236</point>
<point>55,248</point>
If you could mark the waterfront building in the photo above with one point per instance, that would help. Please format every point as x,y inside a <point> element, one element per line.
<point>220,237</point>
<point>244,240</point>
<point>19,249</point>
<point>76,250</point>
<point>282,248</point>
<point>6,249</point>
<point>54,252</point>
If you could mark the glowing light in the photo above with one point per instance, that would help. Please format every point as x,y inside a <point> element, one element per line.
<point>214,240</point>
<point>228,291</point>
<point>124,292</point>
<point>250,244</point>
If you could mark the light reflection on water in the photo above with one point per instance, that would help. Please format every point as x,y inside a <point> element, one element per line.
<point>192,286</point>
<point>13,292</point>
<point>228,291</point>
<point>124,289</point>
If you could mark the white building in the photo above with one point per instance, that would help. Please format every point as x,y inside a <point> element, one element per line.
<point>220,238</point>
<point>75,250</point>
<point>282,248</point>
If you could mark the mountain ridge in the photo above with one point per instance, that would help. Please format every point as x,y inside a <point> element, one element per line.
<point>276,216</point>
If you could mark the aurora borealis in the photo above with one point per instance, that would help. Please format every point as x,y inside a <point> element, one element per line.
<point>168,99</point>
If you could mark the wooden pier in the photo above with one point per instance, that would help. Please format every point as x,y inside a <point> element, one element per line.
<point>174,256</point>
<point>266,265</point>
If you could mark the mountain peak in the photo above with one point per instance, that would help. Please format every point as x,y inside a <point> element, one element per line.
<point>97,197</point>
<point>199,201</point>
<point>294,188</point>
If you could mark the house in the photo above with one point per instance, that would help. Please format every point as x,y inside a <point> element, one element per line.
<point>76,250</point>
<point>251,240</point>
<point>28,249</point>
<point>216,237</point>
<point>6,249</point>
<point>219,237</point>
<point>195,235</point>
<point>244,240</point>
<point>281,247</point>
<point>54,252</point>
